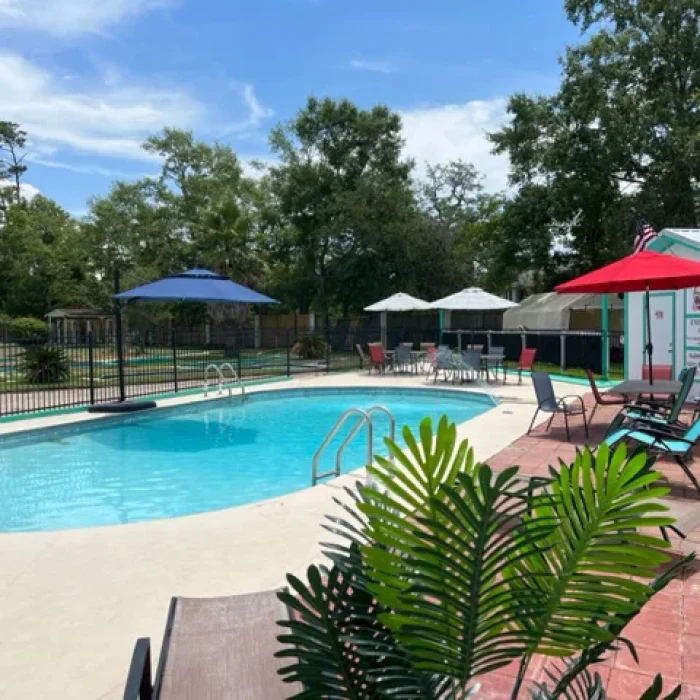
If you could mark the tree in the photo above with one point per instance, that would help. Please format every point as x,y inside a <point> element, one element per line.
<point>621,134</point>
<point>444,571</point>
<point>12,167</point>
<point>344,193</point>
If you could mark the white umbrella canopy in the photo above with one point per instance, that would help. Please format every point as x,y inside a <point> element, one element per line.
<point>400,302</point>
<point>472,299</point>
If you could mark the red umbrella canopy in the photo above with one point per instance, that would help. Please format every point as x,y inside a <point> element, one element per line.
<point>636,273</point>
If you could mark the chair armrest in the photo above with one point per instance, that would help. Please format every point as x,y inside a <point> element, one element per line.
<point>658,430</point>
<point>138,683</point>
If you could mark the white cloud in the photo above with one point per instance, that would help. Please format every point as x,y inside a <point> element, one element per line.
<point>83,169</point>
<point>372,66</point>
<point>71,17</point>
<point>105,120</point>
<point>257,111</point>
<point>437,134</point>
<point>27,191</point>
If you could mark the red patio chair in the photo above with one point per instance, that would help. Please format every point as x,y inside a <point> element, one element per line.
<point>602,399</point>
<point>377,357</point>
<point>660,372</point>
<point>526,361</point>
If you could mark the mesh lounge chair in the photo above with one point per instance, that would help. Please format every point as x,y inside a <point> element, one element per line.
<point>498,353</point>
<point>655,414</point>
<point>526,362</point>
<point>602,399</point>
<point>468,365</point>
<point>214,648</point>
<point>549,403</point>
<point>660,439</point>
<point>443,362</point>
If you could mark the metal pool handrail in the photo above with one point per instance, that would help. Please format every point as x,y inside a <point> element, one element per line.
<point>220,378</point>
<point>234,376</point>
<point>356,429</point>
<point>365,418</point>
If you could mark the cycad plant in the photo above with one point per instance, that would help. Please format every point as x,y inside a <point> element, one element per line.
<point>443,571</point>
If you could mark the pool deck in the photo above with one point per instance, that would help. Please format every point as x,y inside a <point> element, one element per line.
<point>73,602</point>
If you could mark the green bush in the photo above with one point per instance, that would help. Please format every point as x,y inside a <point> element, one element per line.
<point>45,365</point>
<point>29,327</point>
<point>310,347</point>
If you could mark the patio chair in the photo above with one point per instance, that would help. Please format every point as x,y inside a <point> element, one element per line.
<point>443,362</point>
<point>549,403</point>
<point>468,364</point>
<point>657,414</point>
<point>215,648</point>
<point>602,399</point>
<point>426,346</point>
<point>377,357</point>
<point>660,372</point>
<point>366,362</point>
<point>526,362</point>
<point>403,358</point>
<point>662,440</point>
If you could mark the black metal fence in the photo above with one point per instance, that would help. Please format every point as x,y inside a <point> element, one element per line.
<point>39,373</point>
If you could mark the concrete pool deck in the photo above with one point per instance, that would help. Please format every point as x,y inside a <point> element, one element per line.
<point>73,602</point>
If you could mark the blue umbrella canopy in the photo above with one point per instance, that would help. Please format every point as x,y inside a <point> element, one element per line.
<point>195,285</point>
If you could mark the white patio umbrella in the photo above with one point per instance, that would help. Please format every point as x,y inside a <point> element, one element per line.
<point>472,299</point>
<point>397,302</point>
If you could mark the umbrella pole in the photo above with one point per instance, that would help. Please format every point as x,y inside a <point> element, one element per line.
<point>650,347</point>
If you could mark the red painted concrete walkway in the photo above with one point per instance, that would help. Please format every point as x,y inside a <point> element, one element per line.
<point>667,632</point>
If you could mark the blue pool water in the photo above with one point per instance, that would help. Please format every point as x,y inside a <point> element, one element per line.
<point>193,459</point>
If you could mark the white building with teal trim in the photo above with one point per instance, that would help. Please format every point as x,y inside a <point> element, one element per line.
<point>675,315</point>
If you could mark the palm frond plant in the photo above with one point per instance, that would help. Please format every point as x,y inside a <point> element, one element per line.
<point>44,364</point>
<point>444,571</point>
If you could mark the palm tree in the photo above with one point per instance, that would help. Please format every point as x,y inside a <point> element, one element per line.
<point>444,571</point>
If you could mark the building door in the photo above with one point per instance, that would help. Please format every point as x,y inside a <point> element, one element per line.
<point>663,308</point>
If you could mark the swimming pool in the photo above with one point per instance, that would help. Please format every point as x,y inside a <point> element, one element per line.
<point>196,458</point>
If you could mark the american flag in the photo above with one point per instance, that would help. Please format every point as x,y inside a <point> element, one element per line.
<point>644,234</point>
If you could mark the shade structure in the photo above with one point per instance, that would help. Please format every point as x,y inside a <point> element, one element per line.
<point>399,302</point>
<point>472,299</point>
<point>640,272</point>
<point>195,285</point>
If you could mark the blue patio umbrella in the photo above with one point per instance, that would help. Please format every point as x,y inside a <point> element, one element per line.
<point>194,285</point>
<point>197,285</point>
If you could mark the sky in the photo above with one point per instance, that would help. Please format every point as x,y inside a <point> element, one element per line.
<point>90,79</point>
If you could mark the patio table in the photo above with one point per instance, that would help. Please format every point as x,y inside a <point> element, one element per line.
<point>642,387</point>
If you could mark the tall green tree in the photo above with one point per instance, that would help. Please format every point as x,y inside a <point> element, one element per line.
<point>622,132</point>
<point>344,192</point>
<point>12,166</point>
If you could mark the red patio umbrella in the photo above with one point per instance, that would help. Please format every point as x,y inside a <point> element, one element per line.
<point>640,272</point>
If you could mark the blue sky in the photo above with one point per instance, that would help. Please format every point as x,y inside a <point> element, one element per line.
<point>89,79</point>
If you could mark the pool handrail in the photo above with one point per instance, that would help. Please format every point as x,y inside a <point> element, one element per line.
<point>356,429</point>
<point>234,375</point>
<point>365,419</point>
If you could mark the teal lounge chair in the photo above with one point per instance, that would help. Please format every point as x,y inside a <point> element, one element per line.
<point>656,414</point>
<point>662,440</point>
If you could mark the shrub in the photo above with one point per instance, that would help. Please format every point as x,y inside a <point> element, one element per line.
<point>45,365</point>
<point>29,327</point>
<point>310,347</point>
<point>442,571</point>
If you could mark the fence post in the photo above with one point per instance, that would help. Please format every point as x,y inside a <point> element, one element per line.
<point>562,352</point>
<point>488,342</point>
<point>119,338</point>
<point>328,347</point>
<point>172,340</point>
<point>91,369</point>
<point>239,346</point>
<point>289,356</point>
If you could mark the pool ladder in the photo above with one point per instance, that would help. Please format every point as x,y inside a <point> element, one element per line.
<point>365,418</point>
<point>221,379</point>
